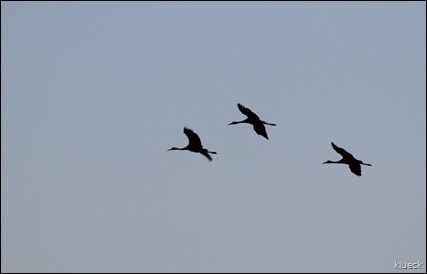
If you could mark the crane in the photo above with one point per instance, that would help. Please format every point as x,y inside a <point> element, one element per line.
<point>254,120</point>
<point>194,144</point>
<point>348,159</point>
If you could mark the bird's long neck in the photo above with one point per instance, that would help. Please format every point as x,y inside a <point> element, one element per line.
<point>178,148</point>
<point>238,122</point>
<point>334,162</point>
<point>362,163</point>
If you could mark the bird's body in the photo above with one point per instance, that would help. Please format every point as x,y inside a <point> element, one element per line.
<point>348,159</point>
<point>254,120</point>
<point>194,144</point>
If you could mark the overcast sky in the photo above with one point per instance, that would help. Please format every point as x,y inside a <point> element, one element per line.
<point>94,94</point>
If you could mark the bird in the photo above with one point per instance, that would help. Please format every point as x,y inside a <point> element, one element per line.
<point>194,144</point>
<point>254,120</point>
<point>349,160</point>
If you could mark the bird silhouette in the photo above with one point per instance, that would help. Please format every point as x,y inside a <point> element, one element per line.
<point>254,120</point>
<point>194,144</point>
<point>349,160</point>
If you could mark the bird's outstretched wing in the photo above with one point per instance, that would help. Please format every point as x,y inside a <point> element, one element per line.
<point>193,138</point>
<point>247,112</point>
<point>205,153</point>
<point>355,168</point>
<point>342,151</point>
<point>260,129</point>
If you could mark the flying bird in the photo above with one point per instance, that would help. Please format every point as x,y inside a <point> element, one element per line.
<point>194,144</point>
<point>254,120</point>
<point>349,160</point>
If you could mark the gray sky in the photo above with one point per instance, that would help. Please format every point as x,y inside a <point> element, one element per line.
<point>93,95</point>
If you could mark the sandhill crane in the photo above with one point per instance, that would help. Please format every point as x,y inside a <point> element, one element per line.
<point>194,144</point>
<point>254,120</point>
<point>349,160</point>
